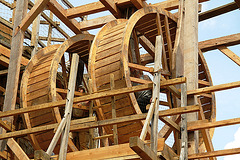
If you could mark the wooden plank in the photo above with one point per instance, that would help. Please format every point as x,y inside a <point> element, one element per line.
<point>32,14</point>
<point>60,12</point>
<point>96,22</point>
<point>105,152</point>
<point>140,81</point>
<point>205,83</point>
<point>85,9</point>
<point>147,45</point>
<point>218,11</point>
<point>214,88</point>
<point>170,123</point>
<point>224,152</point>
<point>81,124</point>
<point>140,67</point>
<point>64,91</point>
<point>138,146</point>
<point>6,52</point>
<point>6,126</point>
<point>206,125</point>
<point>4,155</point>
<point>112,7</point>
<point>80,99</point>
<point>16,149</point>
<point>235,58</point>
<point>104,136</point>
<point>212,44</point>
<point>43,128</point>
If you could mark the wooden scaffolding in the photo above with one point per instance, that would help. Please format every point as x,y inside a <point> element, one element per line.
<point>79,98</point>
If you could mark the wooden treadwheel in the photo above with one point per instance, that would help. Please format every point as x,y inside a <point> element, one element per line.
<point>39,85</point>
<point>116,46</point>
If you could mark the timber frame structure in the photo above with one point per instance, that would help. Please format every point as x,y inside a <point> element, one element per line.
<point>44,116</point>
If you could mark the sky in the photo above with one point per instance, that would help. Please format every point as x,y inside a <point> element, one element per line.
<point>222,70</point>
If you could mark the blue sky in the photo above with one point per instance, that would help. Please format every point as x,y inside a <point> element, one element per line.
<point>222,69</point>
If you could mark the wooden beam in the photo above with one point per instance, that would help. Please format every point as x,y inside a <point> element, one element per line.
<point>171,4</point>
<point>238,3</point>
<point>43,128</point>
<point>206,125</point>
<point>52,39</point>
<point>235,58</point>
<point>6,4</point>
<point>147,45</point>
<point>110,152</point>
<point>16,149</point>
<point>49,20</point>
<point>64,91</point>
<point>81,124</point>
<point>95,23</point>
<point>94,96</point>
<point>140,81</point>
<point>214,88</point>
<point>212,44</point>
<point>205,132</point>
<point>218,11</point>
<point>224,152</point>
<point>15,60</point>
<point>5,126</point>
<point>4,155</point>
<point>86,9</point>
<point>190,50</point>
<point>6,52</point>
<point>112,7</point>
<point>170,123</point>
<point>145,152</point>
<point>140,67</point>
<point>32,14</point>
<point>202,82</point>
<point>61,13</point>
<point>138,3</point>
<point>68,107</point>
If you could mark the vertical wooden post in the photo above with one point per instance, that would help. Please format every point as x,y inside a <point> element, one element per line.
<point>14,63</point>
<point>35,33</point>
<point>155,97</point>
<point>184,133</point>
<point>156,92</point>
<point>91,135</point>
<point>49,39</point>
<point>191,62</point>
<point>114,115</point>
<point>15,58</point>
<point>68,108</point>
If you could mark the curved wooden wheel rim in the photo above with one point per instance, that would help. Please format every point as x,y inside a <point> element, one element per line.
<point>55,52</point>
<point>124,50</point>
